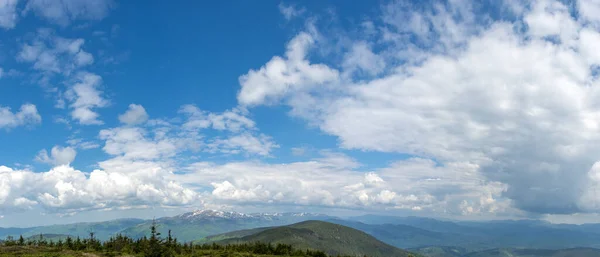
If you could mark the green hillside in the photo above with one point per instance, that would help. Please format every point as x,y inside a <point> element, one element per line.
<point>229,235</point>
<point>331,238</point>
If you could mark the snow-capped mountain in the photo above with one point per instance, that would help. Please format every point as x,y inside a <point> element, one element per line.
<point>198,214</point>
<point>217,214</point>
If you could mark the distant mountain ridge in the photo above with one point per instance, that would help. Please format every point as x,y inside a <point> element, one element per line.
<point>402,232</point>
<point>186,226</point>
<point>413,232</point>
<point>204,214</point>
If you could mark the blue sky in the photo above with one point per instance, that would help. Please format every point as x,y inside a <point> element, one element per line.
<point>145,52</point>
<point>451,109</point>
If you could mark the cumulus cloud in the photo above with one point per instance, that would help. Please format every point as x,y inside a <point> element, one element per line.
<point>136,114</point>
<point>8,13</point>
<point>334,181</point>
<point>58,156</point>
<point>27,115</point>
<point>512,100</point>
<point>84,95</point>
<point>65,189</point>
<point>52,54</point>
<point>133,143</point>
<point>63,12</point>
<point>143,168</point>
<point>284,74</point>
<point>500,117</point>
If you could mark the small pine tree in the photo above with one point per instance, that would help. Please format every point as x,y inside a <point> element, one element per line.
<point>69,243</point>
<point>154,248</point>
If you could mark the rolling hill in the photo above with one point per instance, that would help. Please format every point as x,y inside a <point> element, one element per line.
<point>334,239</point>
<point>232,234</point>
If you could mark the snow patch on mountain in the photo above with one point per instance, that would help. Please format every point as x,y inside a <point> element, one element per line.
<point>208,214</point>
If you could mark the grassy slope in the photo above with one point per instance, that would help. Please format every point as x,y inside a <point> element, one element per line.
<point>229,235</point>
<point>332,238</point>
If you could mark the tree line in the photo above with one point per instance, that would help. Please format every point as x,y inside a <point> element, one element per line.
<point>156,246</point>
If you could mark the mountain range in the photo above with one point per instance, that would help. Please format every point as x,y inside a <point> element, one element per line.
<point>186,227</point>
<point>452,238</point>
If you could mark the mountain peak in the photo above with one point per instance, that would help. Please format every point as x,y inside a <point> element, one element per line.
<point>212,214</point>
<point>209,213</point>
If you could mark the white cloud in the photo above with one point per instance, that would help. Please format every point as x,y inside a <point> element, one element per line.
<point>80,143</point>
<point>244,143</point>
<point>551,18</point>
<point>361,58</point>
<point>589,10</point>
<point>58,156</point>
<point>231,120</point>
<point>514,102</point>
<point>136,114</point>
<point>8,13</point>
<point>63,12</point>
<point>84,96</point>
<point>335,183</point>
<point>64,189</point>
<point>27,115</point>
<point>282,75</point>
<point>132,143</point>
<point>290,11</point>
<point>145,170</point>
<point>52,54</point>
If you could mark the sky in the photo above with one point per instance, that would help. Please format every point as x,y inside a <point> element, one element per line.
<point>469,110</point>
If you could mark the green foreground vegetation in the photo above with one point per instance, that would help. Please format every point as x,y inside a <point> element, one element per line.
<point>153,246</point>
